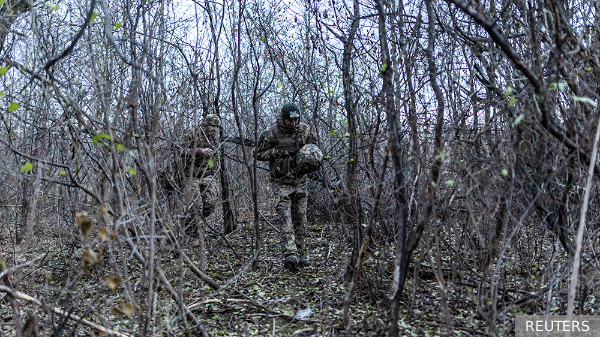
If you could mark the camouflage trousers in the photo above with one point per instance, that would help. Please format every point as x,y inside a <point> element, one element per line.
<point>206,195</point>
<point>290,203</point>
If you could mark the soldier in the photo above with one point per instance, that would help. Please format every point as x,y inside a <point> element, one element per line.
<point>201,144</point>
<point>279,145</point>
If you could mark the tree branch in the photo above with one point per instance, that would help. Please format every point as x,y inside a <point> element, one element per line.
<point>19,295</point>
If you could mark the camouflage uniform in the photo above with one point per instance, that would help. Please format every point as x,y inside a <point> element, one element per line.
<point>205,189</point>
<point>289,185</point>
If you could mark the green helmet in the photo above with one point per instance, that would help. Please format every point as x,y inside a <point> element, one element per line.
<point>290,110</point>
<point>309,159</point>
<point>212,120</point>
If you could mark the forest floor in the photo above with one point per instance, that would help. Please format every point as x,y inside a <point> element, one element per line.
<point>266,300</point>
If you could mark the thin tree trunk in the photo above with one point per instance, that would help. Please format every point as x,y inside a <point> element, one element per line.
<point>432,184</point>
<point>354,205</point>
<point>365,245</point>
<point>397,287</point>
<point>229,223</point>
<point>579,240</point>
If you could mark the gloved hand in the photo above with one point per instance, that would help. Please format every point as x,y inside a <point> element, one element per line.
<point>285,154</point>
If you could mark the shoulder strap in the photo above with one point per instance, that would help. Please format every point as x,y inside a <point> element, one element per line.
<point>305,132</point>
<point>277,132</point>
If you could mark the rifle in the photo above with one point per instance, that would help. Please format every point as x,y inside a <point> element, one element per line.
<point>236,140</point>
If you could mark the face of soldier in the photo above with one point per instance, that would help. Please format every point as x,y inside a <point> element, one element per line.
<point>212,129</point>
<point>291,121</point>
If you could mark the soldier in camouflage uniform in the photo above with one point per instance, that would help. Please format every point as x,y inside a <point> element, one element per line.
<point>201,144</point>
<point>278,145</point>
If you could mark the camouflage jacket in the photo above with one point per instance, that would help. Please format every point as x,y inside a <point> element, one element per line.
<point>278,139</point>
<point>199,139</point>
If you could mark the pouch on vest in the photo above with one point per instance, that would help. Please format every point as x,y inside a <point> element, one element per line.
<point>281,167</point>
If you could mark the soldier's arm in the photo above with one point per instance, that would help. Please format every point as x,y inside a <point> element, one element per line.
<point>194,143</point>
<point>267,146</point>
<point>311,139</point>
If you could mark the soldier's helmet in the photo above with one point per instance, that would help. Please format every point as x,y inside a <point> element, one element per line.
<point>309,159</point>
<point>290,110</point>
<point>212,120</point>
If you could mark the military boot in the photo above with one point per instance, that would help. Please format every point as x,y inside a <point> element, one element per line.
<point>303,260</point>
<point>290,263</point>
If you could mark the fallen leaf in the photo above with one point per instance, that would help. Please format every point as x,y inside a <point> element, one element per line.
<point>113,282</point>
<point>103,234</point>
<point>128,309</point>
<point>84,221</point>
<point>303,313</point>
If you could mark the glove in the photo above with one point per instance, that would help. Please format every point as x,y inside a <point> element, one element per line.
<point>285,154</point>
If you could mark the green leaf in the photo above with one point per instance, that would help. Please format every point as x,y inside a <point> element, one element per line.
<point>449,182</point>
<point>554,86</point>
<point>62,172</point>
<point>518,119</point>
<point>1,2</point>
<point>346,134</point>
<point>211,163</point>
<point>508,91</point>
<point>384,67</point>
<point>13,106</point>
<point>585,100</point>
<point>3,70</point>
<point>97,138</point>
<point>512,101</point>
<point>504,172</point>
<point>94,16</point>
<point>27,167</point>
<point>130,170</point>
<point>262,38</point>
<point>433,184</point>
<point>118,25</point>
<point>120,147</point>
<point>55,8</point>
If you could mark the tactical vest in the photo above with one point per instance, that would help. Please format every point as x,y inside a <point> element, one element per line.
<point>203,166</point>
<point>285,167</point>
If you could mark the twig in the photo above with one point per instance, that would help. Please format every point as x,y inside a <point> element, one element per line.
<point>216,300</point>
<point>13,301</point>
<point>175,296</point>
<point>212,283</point>
<point>236,276</point>
<point>19,295</point>
<point>5,272</point>
<point>246,299</point>
<point>69,49</point>
<point>365,245</point>
<point>224,238</point>
<point>584,208</point>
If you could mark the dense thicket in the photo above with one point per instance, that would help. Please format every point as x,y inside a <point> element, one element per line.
<point>458,139</point>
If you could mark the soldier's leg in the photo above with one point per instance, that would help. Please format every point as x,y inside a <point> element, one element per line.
<point>282,194</point>
<point>195,209</point>
<point>299,216</point>
<point>206,191</point>
<point>210,195</point>
<point>299,222</point>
